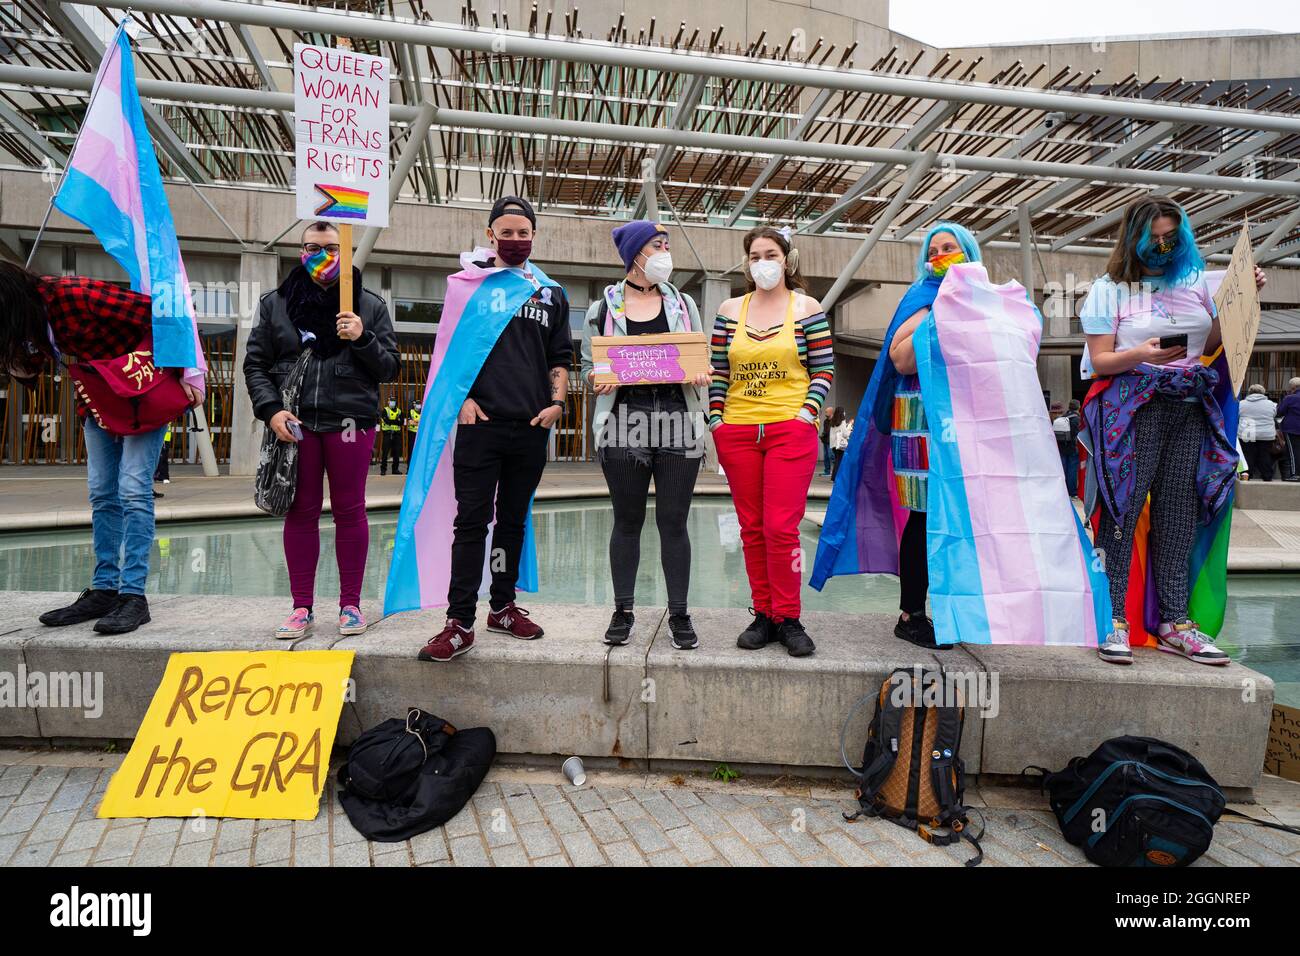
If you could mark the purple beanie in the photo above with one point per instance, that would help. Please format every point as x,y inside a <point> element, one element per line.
<point>631,236</point>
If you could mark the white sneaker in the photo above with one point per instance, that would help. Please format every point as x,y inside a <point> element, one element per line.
<point>1185,638</point>
<point>1115,649</point>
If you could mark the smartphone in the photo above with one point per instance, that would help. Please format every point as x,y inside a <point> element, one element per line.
<point>1173,341</point>
<point>296,431</point>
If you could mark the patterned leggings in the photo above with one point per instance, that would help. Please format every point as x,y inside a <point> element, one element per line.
<point>1167,436</point>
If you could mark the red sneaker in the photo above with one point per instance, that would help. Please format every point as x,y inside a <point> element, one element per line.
<point>452,641</point>
<point>513,620</point>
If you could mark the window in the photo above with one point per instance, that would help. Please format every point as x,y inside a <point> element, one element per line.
<point>421,311</point>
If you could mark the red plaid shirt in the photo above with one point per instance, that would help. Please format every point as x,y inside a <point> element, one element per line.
<point>93,319</point>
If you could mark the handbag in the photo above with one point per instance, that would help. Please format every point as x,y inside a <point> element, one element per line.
<point>129,395</point>
<point>277,463</point>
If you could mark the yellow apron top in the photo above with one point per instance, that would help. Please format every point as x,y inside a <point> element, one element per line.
<point>769,382</point>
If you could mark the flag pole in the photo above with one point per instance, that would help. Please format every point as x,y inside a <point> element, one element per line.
<point>345,234</point>
<point>72,152</point>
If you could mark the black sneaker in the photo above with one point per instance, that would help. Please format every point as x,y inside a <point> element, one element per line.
<point>89,605</point>
<point>760,632</point>
<point>132,610</point>
<point>796,640</point>
<point>684,638</point>
<point>919,630</point>
<point>620,628</point>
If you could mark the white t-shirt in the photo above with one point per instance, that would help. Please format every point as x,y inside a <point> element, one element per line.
<point>1146,311</point>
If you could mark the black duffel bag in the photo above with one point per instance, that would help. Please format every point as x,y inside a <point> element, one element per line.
<point>1136,801</point>
<point>404,777</point>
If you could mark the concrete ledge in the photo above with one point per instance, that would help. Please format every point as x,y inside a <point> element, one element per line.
<point>1275,495</point>
<point>650,704</point>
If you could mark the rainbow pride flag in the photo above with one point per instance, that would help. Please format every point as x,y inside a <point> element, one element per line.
<point>479,304</point>
<point>343,202</point>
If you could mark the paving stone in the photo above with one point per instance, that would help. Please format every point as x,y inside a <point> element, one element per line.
<point>562,818</point>
<point>538,840</point>
<point>273,845</point>
<point>154,851</point>
<point>736,851</point>
<point>401,856</point>
<point>692,844</point>
<point>235,835</point>
<point>604,826</point>
<point>523,807</point>
<point>1279,842</point>
<point>162,826</point>
<point>312,849</point>
<point>21,818</point>
<point>663,811</point>
<point>462,824</point>
<point>629,810</point>
<point>649,836</point>
<point>467,851</point>
<point>720,801</point>
<point>498,829</point>
<point>588,801</point>
<point>552,861</point>
<point>84,835</point>
<point>778,854</point>
<point>34,854</point>
<point>72,795</point>
<point>801,842</point>
<point>845,849</point>
<point>42,785</point>
<point>1261,855</point>
<point>668,858</point>
<point>321,824</point>
<point>8,844</point>
<point>119,842</point>
<point>546,793</point>
<point>352,854</point>
<point>51,826</point>
<point>234,858</point>
<point>707,820</point>
<point>193,854</point>
<point>582,849</point>
<point>682,798</point>
<point>75,858</point>
<point>748,826</point>
<point>624,854</point>
<point>429,847</point>
<point>14,779</point>
<point>513,855</point>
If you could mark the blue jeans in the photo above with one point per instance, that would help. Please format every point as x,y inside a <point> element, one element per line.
<point>1070,464</point>
<point>119,471</point>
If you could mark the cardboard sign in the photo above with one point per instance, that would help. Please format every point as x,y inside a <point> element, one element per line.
<point>661,359</point>
<point>340,104</point>
<point>1237,302</point>
<point>1283,755</point>
<point>235,734</point>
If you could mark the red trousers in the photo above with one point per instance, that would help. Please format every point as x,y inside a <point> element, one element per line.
<point>769,469</point>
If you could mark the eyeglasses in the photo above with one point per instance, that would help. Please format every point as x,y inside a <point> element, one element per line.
<point>312,248</point>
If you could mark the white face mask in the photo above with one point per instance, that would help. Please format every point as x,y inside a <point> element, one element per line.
<point>767,273</point>
<point>659,267</point>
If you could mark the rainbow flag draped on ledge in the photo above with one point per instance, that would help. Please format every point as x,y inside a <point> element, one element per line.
<point>479,304</point>
<point>113,187</point>
<point>1009,560</point>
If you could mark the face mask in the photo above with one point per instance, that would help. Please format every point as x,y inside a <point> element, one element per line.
<point>514,252</point>
<point>1158,253</point>
<point>939,265</point>
<point>659,267</point>
<point>321,266</point>
<point>766,273</point>
<point>392,404</point>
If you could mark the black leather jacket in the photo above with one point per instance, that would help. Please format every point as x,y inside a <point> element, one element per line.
<point>337,389</point>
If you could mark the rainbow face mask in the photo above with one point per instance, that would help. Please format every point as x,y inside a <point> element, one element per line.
<point>939,265</point>
<point>321,266</point>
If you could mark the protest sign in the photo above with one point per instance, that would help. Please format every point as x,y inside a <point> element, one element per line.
<point>1237,304</point>
<point>1283,755</point>
<point>235,734</point>
<point>658,359</point>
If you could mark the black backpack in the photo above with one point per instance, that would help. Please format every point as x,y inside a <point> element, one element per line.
<point>1136,801</point>
<point>911,774</point>
<point>404,777</point>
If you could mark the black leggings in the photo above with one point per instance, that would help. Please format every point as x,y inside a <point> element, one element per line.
<point>629,487</point>
<point>913,566</point>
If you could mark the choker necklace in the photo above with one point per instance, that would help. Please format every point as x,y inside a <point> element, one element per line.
<point>638,288</point>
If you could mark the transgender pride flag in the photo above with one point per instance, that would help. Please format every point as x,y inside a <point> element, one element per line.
<point>113,187</point>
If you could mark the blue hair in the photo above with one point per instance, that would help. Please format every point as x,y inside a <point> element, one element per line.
<point>1186,263</point>
<point>965,238</point>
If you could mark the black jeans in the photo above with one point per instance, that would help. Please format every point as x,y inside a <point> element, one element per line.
<point>913,565</point>
<point>390,448</point>
<point>1259,459</point>
<point>494,462</point>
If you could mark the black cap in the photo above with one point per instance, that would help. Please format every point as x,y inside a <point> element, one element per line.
<point>512,206</point>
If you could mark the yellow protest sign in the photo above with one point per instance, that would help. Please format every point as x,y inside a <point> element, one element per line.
<point>1237,303</point>
<point>235,734</point>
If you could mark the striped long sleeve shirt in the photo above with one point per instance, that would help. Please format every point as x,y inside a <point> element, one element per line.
<point>813,339</point>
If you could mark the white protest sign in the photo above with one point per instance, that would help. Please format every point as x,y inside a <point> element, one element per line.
<point>341,127</point>
<point>1237,304</point>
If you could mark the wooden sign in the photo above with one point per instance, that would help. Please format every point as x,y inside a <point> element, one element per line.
<point>661,359</point>
<point>1283,755</point>
<point>1237,302</point>
<point>235,734</point>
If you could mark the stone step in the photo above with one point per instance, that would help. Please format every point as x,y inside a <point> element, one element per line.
<point>650,704</point>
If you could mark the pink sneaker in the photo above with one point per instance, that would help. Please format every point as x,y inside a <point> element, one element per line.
<point>297,624</point>
<point>351,621</point>
<point>1186,639</point>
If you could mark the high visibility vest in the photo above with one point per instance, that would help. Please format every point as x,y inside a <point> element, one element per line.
<point>413,421</point>
<point>392,420</point>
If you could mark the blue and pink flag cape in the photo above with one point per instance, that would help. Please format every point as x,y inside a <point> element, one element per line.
<point>113,187</point>
<point>1009,560</point>
<point>479,304</point>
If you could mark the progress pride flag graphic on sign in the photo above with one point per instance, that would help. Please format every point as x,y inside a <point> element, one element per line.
<point>341,127</point>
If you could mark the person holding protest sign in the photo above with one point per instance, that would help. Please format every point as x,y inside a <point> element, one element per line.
<point>351,353</point>
<point>772,369</point>
<point>42,317</point>
<point>645,431</point>
<point>1155,424</point>
<point>490,404</point>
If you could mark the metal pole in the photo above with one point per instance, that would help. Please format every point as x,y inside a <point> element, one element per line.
<point>416,132</point>
<point>449,36</point>
<point>920,166</point>
<point>1026,249</point>
<point>531,126</point>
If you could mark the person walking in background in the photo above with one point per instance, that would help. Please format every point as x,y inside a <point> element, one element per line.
<point>391,424</point>
<point>647,431</point>
<point>412,429</point>
<point>42,317</point>
<point>841,429</point>
<point>827,461</point>
<point>163,472</point>
<point>1288,414</point>
<point>1065,426</point>
<point>1257,428</point>
<point>1154,422</point>
<point>772,369</point>
<point>351,354</point>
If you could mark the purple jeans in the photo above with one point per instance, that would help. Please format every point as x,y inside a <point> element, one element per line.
<point>346,463</point>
